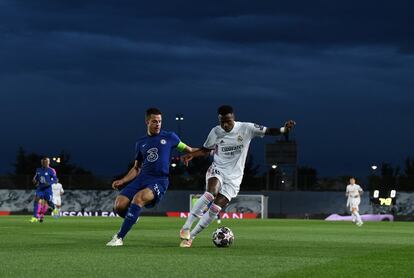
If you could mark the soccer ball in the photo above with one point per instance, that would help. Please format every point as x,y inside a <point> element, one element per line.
<point>223,237</point>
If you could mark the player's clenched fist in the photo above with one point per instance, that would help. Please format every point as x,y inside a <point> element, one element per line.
<point>186,158</point>
<point>116,184</point>
<point>290,124</point>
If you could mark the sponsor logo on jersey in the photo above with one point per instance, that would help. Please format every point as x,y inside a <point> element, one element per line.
<point>239,138</point>
<point>232,150</point>
<point>222,141</point>
<point>152,155</point>
<point>163,141</point>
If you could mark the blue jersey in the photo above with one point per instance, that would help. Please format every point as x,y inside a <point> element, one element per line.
<point>154,153</point>
<point>45,177</point>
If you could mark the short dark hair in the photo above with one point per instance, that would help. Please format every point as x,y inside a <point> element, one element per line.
<point>224,110</point>
<point>152,111</point>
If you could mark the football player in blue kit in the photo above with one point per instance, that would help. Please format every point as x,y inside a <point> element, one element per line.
<point>44,178</point>
<point>149,176</point>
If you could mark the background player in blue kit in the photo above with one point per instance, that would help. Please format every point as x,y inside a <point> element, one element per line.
<point>149,175</point>
<point>43,179</point>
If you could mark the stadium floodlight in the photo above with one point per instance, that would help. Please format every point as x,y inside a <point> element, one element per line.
<point>274,166</point>
<point>374,167</point>
<point>56,159</point>
<point>179,117</point>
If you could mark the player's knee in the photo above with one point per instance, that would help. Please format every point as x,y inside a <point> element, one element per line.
<point>121,211</point>
<point>213,190</point>
<point>213,187</point>
<point>143,197</point>
<point>139,201</point>
<point>121,206</point>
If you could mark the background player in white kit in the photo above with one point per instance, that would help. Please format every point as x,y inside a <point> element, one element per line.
<point>230,141</point>
<point>354,192</point>
<point>57,190</point>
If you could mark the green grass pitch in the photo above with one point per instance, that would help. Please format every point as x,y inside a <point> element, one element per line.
<point>75,247</point>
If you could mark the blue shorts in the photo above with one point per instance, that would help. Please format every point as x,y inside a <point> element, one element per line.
<point>45,193</point>
<point>157,185</point>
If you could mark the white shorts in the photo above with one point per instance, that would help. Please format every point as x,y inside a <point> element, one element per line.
<point>353,203</point>
<point>57,201</point>
<point>229,188</point>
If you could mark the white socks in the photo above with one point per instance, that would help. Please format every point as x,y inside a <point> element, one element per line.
<point>198,209</point>
<point>206,220</point>
<point>357,216</point>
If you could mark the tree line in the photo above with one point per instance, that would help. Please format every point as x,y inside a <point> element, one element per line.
<point>193,176</point>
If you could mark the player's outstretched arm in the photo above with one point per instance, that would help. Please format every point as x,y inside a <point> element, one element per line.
<point>197,152</point>
<point>132,174</point>
<point>282,130</point>
<point>188,149</point>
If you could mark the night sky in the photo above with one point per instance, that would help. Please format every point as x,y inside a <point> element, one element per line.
<point>79,75</point>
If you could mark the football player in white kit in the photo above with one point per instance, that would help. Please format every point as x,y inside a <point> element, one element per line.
<point>57,190</point>
<point>230,142</point>
<point>354,192</point>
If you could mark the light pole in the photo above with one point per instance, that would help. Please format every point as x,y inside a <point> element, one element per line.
<point>374,190</point>
<point>179,118</point>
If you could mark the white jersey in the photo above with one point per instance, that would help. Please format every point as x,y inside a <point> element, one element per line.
<point>57,190</point>
<point>230,148</point>
<point>353,190</point>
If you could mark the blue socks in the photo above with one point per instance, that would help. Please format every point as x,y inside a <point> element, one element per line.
<point>36,203</point>
<point>130,219</point>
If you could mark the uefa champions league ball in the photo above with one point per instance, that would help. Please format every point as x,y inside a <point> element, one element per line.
<point>223,237</point>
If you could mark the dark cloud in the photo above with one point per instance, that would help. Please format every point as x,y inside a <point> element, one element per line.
<point>319,23</point>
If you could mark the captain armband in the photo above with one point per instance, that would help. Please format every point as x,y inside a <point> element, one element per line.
<point>181,146</point>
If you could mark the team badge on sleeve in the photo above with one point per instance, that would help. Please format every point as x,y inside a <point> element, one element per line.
<point>259,126</point>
